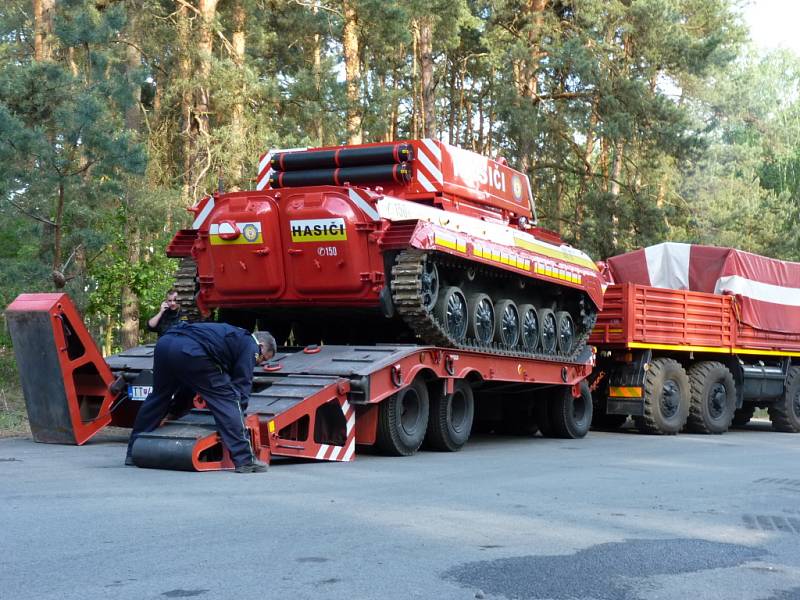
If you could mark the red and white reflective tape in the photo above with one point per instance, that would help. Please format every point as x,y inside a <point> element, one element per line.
<point>429,161</point>
<point>207,204</point>
<point>362,204</point>
<point>342,453</point>
<point>264,168</point>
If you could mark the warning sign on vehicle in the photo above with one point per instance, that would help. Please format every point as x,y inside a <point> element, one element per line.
<point>318,230</point>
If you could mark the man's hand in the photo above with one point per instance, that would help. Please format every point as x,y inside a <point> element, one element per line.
<point>164,306</point>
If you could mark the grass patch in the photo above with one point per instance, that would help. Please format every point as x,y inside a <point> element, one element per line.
<point>13,416</point>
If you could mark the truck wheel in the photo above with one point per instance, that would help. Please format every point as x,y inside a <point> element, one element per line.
<point>402,420</point>
<point>571,417</point>
<point>712,398</point>
<point>450,420</point>
<point>785,413</point>
<point>742,416</point>
<point>666,398</point>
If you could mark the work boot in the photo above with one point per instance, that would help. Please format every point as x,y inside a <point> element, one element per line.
<point>256,466</point>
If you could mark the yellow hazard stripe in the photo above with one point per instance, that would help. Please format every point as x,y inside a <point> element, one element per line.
<point>218,241</point>
<point>715,349</point>
<point>553,253</point>
<point>625,392</point>
<point>454,244</point>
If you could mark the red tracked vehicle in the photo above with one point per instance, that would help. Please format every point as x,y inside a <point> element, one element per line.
<point>416,241</point>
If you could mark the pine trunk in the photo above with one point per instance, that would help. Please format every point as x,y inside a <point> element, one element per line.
<point>352,71</point>
<point>426,77</point>
<point>43,29</point>
<point>237,113</point>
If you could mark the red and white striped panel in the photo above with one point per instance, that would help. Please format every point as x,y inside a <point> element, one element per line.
<point>429,165</point>
<point>342,453</point>
<point>202,209</point>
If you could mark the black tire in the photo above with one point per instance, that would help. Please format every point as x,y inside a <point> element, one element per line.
<point>571,417</point>
<point>429,284</point>
<point>452,313</point>
<point>666,398</point>
<point>450,420</point>
<point>403,420</point>
<point>548,329</point>
<point>529,327</point>
<point>742,416</point>
<point>785,413</point>
<point>712,398</point>
<point>506,322</point>
<point>480,326</point>
<point>565,326</point>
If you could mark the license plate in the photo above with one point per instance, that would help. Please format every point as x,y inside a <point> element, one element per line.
<point>139,392</point>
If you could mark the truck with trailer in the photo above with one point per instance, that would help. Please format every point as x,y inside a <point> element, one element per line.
<point>697,338</point>
<point>412,282</point>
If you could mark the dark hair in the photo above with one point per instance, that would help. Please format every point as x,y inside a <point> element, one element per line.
<point>265,339</point>
<point>170,292</point>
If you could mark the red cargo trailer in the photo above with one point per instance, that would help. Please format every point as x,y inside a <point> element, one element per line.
<point>677,358</point>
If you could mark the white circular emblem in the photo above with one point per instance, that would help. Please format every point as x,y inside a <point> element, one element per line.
<point>250,232</point>
<point>516,187</point>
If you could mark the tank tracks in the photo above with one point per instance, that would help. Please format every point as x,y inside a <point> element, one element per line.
<point>186,286</point>
<point>406,288</point>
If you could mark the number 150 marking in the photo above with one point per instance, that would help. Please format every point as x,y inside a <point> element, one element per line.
<point>326,251</point>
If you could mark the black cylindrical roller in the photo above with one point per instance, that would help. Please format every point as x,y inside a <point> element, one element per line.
<point>164,453</point>
<point>342,157</point>
<point>400,173</point>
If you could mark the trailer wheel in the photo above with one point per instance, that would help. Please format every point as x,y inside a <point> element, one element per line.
<point>571,417</point>
<point>713,398</point>
<point>402,420</point>
<point>742,416</point>
<point>785,414</point>
<point>666,398</point>
<point>450,420</point>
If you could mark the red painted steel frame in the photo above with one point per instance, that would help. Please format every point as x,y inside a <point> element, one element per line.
<point>640,314</point>
<point>86,376</point>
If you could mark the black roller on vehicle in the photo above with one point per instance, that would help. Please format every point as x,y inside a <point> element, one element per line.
<point>403,420</point>
<point>450,420</point>
<point>342,157</point>
<point>399,173</point>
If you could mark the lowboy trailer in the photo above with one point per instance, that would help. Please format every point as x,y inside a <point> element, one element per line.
<point>317,402</point>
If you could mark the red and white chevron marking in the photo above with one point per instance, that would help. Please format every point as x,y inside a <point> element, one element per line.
<point>204,206</point>
<point>264,170</point>
<point>342,453</point>
<point>429,165</point>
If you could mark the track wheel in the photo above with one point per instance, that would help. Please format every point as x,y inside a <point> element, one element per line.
<point>529,328</point>
<point>506,322</point>
<point>666,398</point>
<point>548,332</point>
<point>785,412</point>
<point>451,416</point>
<point>566,332</point>
<point>713,398</point>
<point>742,416</point>
<point>429,284</point>
<point>481,318</point>
<point>451,312</point>
<point>402,420</point>
<point>571,417</point>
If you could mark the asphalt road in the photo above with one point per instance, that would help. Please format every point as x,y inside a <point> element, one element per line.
<point>614,516</point>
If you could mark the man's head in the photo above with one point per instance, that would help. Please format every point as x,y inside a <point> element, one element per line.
<point>266,346</point>
<point>172,299</point>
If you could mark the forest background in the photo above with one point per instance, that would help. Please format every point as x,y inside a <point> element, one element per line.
<point>638,121</point>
